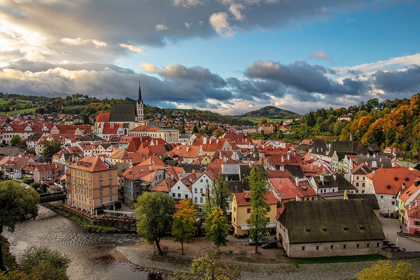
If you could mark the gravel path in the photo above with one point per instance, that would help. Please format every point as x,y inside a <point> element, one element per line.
<point>142,258</point>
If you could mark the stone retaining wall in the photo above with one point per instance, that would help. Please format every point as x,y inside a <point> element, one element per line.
<point>399,255</point>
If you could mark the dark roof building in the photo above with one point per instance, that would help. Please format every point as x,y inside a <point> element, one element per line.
<point>329,228</point>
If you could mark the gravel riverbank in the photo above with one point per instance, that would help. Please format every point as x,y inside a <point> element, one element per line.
<point>145,258</point>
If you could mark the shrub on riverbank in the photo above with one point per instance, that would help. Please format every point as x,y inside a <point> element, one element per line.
<point>9,259</point>
<point>86,225</point>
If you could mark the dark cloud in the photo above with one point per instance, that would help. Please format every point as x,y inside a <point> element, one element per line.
<point>303,76</point>
<point>197,74</point>
<point>407,80</point>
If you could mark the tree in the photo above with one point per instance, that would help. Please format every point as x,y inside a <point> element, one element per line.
<point>389,271</point>
<point>154,216</point>
<point>195,129</point>
<point>263,121</point>
<point>17,204</point>
<point>15,140</point>
<point>220,195</point>
<point>259,208</point>
<point>209,267</point>
<point>184,224</point>
<point>216,227</point>
<point>40,264</point>
<point>50,148</point>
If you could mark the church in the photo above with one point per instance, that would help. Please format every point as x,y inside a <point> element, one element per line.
<point>122,118</point>
<point>128,119</point>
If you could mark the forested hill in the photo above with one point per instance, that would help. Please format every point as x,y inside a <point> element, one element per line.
<point>272,112</point>
<point>87,108</point>
<point>393,123</point>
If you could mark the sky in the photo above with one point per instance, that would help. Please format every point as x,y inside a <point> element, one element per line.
<point>227,56</point>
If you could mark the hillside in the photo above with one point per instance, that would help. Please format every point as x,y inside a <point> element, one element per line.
<point>272,113</point>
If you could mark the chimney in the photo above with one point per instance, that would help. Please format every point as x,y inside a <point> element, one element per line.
<point>210,141</point>
<point>288,157</point>
<point>150,168</point>
<point>188,148</point>
<point>282,158</point>
<point>281,168</point>
<point>217,141</point>
<point>321,177</point>
<point>204,140</point>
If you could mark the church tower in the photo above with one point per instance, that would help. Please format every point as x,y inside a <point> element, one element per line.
<point>139,105</point>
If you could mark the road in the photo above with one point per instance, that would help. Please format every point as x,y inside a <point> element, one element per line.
<point>391,227</point>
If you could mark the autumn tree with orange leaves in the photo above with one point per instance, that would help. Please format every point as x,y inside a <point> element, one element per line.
<point>184,224</point>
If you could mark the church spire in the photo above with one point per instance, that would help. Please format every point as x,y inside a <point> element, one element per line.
<point>140,98</point>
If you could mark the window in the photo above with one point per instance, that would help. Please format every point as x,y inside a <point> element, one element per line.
<point>110,182</point>
<point>195,190</point>
<point>201,180</point>
<point>201,190</point>
<point>100,175</point>
<point>393,203</point>
<point>382,196</point>
<point>101,193</point>
<point>195,200</point>
<point>368,245</point>
<point>344,246</point>
<point>110,174</point>
<point>357,184</point>
<point>377,244</point>
<point>303,248</point>
<point>417,223</point>
<point>110,199</point>
<point>101,201</point>
<point>332,247</point>
<point>358,245</point>
<point>186,196</point>
<point>110,190</point>
<point>317,247</point>
<point>363,185</point>
<point>201,199</point>
<point>248,210</point>
<point>357,178</point>
<point>179,195</point>
<point>100,183</point>
<point>173,194</point>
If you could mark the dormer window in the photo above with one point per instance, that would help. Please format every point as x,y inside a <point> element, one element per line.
<point>407,179</point>
<point>396,178</point>
<point>361,227</point>
<point>308,229</point>
<point>388,187</point>
<point>324,229</point>
<point>346,228</point>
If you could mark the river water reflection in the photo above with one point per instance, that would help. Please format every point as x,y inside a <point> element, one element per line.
<point>86,250</point>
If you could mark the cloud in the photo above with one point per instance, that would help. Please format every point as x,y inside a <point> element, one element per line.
<point>187,3</point>
<point>220,24</point>
<point>79,41</point>
<point>236,10</point>
<point>149,68</point>
<point>160,27</point>
<point>320,55</point>
<point>399,81</point>
<point>131,48</point>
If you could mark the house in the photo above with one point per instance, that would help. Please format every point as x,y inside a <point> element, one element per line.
<point>326,228</point>
<point>241,212</point>
<point>344,118</point>
<point>406,197</point>
<point>412,221</point>
<point>331,186</point>
<point>202,187</point>
<point>92,184</point>
<point>386,183</point>
<point>358,177</point>
<point>182,188</point>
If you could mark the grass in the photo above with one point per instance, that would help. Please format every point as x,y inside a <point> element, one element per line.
<point>22,111</point>
<point>258,119</point>
<point>364,258</point>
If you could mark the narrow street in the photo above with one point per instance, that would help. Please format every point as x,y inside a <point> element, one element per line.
<point>391,228</point>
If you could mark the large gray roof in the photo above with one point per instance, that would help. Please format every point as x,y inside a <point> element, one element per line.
<point>331,221</point>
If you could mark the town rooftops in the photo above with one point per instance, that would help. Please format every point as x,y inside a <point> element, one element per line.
<point>390,180</point>
<point>330,221</point>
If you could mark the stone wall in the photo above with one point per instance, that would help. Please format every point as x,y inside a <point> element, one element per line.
<point>399,255</point>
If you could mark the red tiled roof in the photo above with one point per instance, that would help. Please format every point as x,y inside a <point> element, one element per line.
<point>244,199</point>
<point>103,117</point>
<point>390,180</point>
<point>90,164</point>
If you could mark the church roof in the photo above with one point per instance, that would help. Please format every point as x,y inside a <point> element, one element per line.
<point>123,112</point>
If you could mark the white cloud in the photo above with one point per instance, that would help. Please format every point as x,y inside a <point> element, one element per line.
<point>321,55</point>
<point>188,25</point>
<point>393,62</point>
<point>34,56</point>
<point>220,24</point>
<point>149,67</point>
<point>236,9</point>
<point>160,27</point>
<point>187,3</point>
<point>79,41</point>
<point>131,48</point>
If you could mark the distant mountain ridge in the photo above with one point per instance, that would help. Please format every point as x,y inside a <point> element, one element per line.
<point>271,112</point>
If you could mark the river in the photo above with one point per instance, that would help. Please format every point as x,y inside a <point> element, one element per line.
<point>87,251</point>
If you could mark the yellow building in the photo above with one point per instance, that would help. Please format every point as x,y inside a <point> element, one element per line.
<point>241,212</point>
<point>92,183</point>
